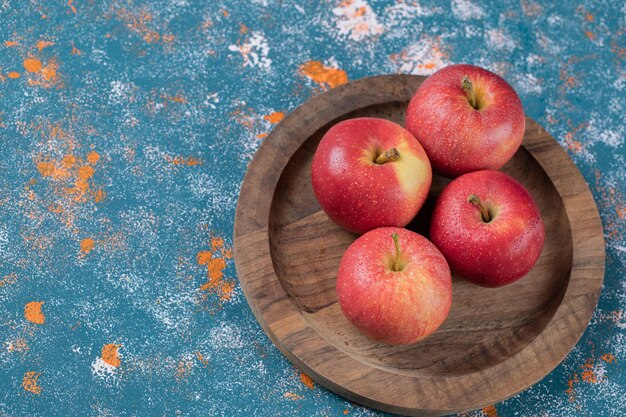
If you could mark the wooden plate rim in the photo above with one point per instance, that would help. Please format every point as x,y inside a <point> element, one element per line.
<point>423,395</point>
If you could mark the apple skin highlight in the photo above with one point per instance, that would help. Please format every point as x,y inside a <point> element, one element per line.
<point>488,253</point>
<point>396,307</point>
<point>360,194</point>
<point>457,137</point>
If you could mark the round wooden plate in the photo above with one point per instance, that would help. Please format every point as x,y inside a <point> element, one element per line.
<point>494,343</point>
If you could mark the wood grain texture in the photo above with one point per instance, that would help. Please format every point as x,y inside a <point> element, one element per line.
<point>495,342</point>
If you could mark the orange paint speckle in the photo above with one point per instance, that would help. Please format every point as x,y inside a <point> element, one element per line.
<point>141,23</point>
<point>29,382</point>
<point>327,77</point>
<point>32,65</point>
<point>589,17</point>
<point>99,195</point>
<point>346,412</point>
<point>216,284</point>
<point>18,345</point>
<point>202,359</point>
<point>33,313</point>
<point>246,117</point>
<point>75,50</point>
<point>8,279</point>
<point>226,291</point>
<point>110,354</point>
<point>490,411</point>
<point>589,376</point>
<point>531,8</point>
<point>93,157</point>
<point>87,245</point>
<point>620,51</point>
<point>569,80</point>
<point>570,388</point>
<point>217,243</point>
<point>275,117</point>
<point>183,368</point>
<point>46,169</point>
<point>574,145</point>
<point>261,135</point>
<point>181,160</point>
<point>292,396</point>
<point>176,99</point>
<point>204,257</point>
<point>70,177</point>
<point>216,273</point>
<point>151,36</point>
<point>81,186</point>
<point>571,143</point>
<point>590,35</point>
<point>11,43</point>
<point>38,243</point>
<point>306,380</point>
<point>168,38</point>
<point>70,3</point>
<point>47,75</point>
<point>13,75</point>
<point>608,358</point>
<point>49,72</point>
<point>436,57</point>
<point>68,160</point>
<point>41,45</point>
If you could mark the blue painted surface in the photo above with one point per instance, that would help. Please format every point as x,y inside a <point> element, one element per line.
<point>124,137</point>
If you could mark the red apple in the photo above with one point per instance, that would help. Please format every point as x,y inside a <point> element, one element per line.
<point>467,119</point>
<point>394,286</point>
<point>488,227</point>
<point>369,173</point>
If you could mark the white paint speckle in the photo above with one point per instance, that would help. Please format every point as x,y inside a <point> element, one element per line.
<point>357,20</point>
<point>104,371</point>
<point>466,10</point>
<point>408,11</point>
<point>472,31</point>
<point>598,131</point>
<point>4,238</point>
<point>226,336</point>
<point>212,100</point>
<point>499,39</point>
<point>255,51</point>
<point>554,20</point>
<point>422,57</point>
<point>528,84</point>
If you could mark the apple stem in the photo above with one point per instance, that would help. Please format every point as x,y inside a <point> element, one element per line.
<point>475,200</point>
<point>396,261</point>
<point>466,85</point>
<point>389,155</point>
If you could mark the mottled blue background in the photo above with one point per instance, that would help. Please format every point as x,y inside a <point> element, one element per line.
<point>128,125</point>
